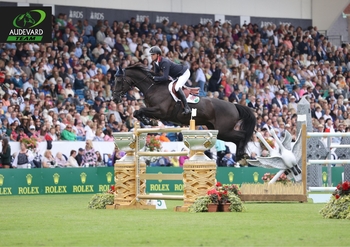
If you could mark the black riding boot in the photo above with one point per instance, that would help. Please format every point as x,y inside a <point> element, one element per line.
<point>186,109</point>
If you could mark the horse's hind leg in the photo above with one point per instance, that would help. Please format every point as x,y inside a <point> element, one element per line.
<point>237,137</point>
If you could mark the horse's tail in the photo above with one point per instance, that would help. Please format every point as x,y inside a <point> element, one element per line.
<point>249,122</point>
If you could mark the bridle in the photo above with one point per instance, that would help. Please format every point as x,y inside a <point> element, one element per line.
<point>124,80</point>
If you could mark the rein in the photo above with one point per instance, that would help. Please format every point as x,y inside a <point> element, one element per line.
<point>134,84</point>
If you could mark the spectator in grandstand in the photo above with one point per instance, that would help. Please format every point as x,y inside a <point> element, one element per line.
<point>48,160</point>
<point>72,162</point>
<point>182,159</point>
<point>5,154</point>
<point>89,157</point>
<point>99,162</point>
<point>60,160</point>
<point>23,157</point>
<point>68,134</point>
<point>108,135</point>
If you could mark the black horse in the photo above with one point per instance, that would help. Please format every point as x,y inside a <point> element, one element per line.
<point>235,122</point>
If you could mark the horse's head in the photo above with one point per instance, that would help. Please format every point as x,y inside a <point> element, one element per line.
<point>136,75</point>
<point>121,87</point>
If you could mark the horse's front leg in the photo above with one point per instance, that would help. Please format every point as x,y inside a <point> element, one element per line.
<point>141,117</point>
<point>144,114</point>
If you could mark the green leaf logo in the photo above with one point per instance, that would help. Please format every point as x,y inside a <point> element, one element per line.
<point>27,21</point>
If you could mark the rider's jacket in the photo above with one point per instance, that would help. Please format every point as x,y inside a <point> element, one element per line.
<point>169,69</point>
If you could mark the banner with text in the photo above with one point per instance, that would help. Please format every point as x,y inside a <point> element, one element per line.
<point>55,181</point>
<point>97,180</point>
<point>94,14</point>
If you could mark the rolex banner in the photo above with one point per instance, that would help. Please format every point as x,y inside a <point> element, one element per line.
<point>97,180</point>
<point>228,176</point>
<point>55,181</point>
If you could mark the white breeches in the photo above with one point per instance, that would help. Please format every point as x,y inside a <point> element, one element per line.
<point>182,80</point>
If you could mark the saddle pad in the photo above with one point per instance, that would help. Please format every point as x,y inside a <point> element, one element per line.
<point>190,99</point>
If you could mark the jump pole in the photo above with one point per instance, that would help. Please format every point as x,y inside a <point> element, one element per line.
<point>303,156</point>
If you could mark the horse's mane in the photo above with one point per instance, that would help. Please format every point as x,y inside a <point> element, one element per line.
<point>140,66</point>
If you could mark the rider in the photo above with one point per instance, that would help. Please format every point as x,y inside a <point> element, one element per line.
<point>171,69</point>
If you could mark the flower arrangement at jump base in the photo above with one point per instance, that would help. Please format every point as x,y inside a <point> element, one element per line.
<point>269,176</point>
<point>101,200</point>
<point>31,143</point>
<point>219,199</point>
<point>153,144</point>
<point>339,205</point>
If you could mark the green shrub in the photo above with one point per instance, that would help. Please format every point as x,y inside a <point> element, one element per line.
<point>99,201</point>
<point>337,208</point>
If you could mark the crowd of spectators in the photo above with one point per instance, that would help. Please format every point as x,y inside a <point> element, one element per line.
<point>62,90</point>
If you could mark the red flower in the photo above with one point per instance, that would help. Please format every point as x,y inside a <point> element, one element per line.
<point>210,192</point>
<point>112,188</point>
<point>345,186</point>
<point>218,184</point>
<point>337,196</point>
<point>339,186</point>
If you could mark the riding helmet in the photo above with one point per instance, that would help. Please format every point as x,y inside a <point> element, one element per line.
<point>155,50</point>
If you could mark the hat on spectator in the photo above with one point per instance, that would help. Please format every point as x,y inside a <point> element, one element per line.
<point>320,126</point>
<point>98,99</point>
<point>292,97</point>
<point>81,149</point>
<point>281,91</point>
<point>145,45</point>
<point>7,85</point>
<point>261,90</point>
<point>331,90</point>
<point>115,122</point>
<point>32,127</point>
<point>327,62</point>
<point>346,100</point>
<point>267,87</point>
<point>287,125</point>
<point>99,70</point>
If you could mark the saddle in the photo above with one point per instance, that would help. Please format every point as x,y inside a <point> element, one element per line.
<point>187,90</point>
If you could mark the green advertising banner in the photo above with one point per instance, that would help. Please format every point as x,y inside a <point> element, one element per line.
<point>97,180</point>
<point>55,181</point>
<point>227,176</point>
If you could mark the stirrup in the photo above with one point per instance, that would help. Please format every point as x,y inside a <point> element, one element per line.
<point>186,110</point>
